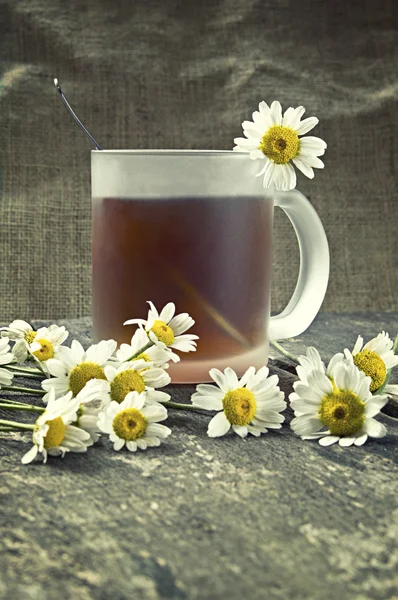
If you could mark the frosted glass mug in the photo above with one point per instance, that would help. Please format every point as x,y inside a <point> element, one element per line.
<point>195,228</point>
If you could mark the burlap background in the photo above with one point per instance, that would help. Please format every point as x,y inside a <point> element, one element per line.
<point>174,73</point>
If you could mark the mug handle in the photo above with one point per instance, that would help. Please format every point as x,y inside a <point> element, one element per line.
<point>314,267</point>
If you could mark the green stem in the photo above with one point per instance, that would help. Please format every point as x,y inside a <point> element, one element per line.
<point>26,407</point>
<point>16,388</point>
<point>27,375</point>
<point>10,401</point>
<point>284,351</point>
<point>9,428</point>
<point>148,345</point>
<point>388,375</point>
<point>33,371</point>
<point>15,425</point>
<point>169,404</point>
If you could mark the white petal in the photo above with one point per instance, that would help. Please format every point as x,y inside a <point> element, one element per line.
<point>292,117</point>
<point>358,345</point>
<point>206,389</point>
<point>30,455</point>
<point>219,425</point>
<point>141,444</point>
<point>154,413</point>
<point>306,125</point>
<point>276,112</point>
<point>374,428</point>
<point>304,168</point>
<point>245,145</point>
<point>118,444</point>
<point>220,379</point>
<point>240,430</point>
<point>56,368</point>
<point>77,351</point>
<point>268,179</point>
<point>231,379</point>
<point>256,155</point>
<point>284,177</point>
<point>247,376</point>
<point>312,145</point>
<point>375,404</point>
<point>305,424</point>
<point>265,115</point>
<point>100,353</point>
<point>310,161</point>
<point>181,323</point>
<point>346,441</point>
<point>207,402</point>
<point>167,313</point>
<point>361,439</point>
<point>132,446</point>
<point>328,440</point>
<point>158,431</point>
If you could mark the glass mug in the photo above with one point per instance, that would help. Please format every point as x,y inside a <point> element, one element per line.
<point>194,227</point>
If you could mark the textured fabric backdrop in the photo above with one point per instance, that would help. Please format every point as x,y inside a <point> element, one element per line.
<point>181,74</point>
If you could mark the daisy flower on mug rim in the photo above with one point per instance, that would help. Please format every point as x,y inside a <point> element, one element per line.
<point>342,411</point>
<point>133,423</point>
<point>274,138</point>
<point>251,404</point>
<point>165,330</point>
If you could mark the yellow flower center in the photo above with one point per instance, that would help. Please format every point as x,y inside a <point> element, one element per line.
<point>125,382</point>
<point>280,144</point>
<point>143,356</point>
<point>372,365</point>
<point>55,434</point>
<point>45,352</point>
<point>239,406</point>
<point>30,336</point>
<point>163,332</point>
<point>129,424</point>
<point>83,373</point>
<point>342,412</point>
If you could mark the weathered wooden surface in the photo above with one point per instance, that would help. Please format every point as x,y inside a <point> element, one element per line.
<point>271,518</point>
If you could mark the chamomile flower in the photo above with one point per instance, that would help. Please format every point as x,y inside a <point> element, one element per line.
<point>133,423</point>
<point>375,358</point>
<point>312,361</point>
<point>275,140</point>
<point>75,366</point>
<point>134,376</point>
<point>18,330</point>
<point>342,411</point>
<point>46,343</point>
<point>22,333</point>
<point>6,357</point>
<point>159,357</point>
<point>93,398</point>
<point>53,433</point>
<point>165,329</point>
<point>249,405</point>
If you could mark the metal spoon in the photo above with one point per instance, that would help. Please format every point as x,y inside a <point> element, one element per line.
<point>74,115</point>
